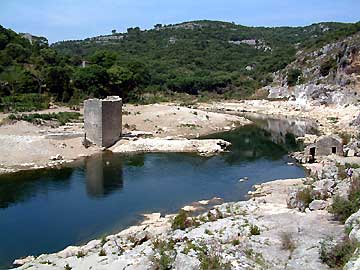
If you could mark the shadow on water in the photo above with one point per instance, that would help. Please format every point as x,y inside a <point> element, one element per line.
<point>22,186</point>
<point>44,211</point>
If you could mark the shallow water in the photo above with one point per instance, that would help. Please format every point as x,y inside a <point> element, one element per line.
<point>45,211</point>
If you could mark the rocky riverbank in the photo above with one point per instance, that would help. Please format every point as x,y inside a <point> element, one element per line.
<point>261,233</point>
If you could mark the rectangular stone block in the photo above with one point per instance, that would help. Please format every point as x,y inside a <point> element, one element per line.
<point>103,120</point>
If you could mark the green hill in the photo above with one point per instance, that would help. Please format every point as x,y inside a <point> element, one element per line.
<point>197,57</point>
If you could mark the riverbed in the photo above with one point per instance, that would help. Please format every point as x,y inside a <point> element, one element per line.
<point>44,211</point>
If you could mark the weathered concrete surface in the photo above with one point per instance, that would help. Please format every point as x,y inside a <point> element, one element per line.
<point>103,120</point>
<point>210,146</point>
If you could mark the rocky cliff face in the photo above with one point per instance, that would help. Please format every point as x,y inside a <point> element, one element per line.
<point>329,75</point>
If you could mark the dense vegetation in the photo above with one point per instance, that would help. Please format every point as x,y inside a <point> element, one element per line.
<point>195,58</point>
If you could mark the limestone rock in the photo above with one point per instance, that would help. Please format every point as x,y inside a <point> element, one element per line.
<point>57,157</point>
<point>185,262</point>
<point>318,205</point>
<point>24,260</point>
<point>353,223</point>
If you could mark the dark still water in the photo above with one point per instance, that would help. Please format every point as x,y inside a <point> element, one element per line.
<point>45,211</point>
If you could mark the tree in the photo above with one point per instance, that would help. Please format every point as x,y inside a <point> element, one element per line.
<point>92,80</point>
<point>103,58</point>
<point>17,52</point>
<point>57,80</point>
<point>121,80</point>
<point>113,31</point>
<point>293,76</point>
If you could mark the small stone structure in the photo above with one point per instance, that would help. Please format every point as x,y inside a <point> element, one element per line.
<point>324,146</point>
<point>102,118</point>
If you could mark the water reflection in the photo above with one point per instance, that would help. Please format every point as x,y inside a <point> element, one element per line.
<point>104,175</point>
<point>250,143</point>
<point>283,130</point>
<point>22,186</point>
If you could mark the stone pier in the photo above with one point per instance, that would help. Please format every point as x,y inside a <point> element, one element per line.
<point>103,120</point>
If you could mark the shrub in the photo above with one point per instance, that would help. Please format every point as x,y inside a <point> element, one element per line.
<point>103,241</point>
<point>166,251</point>
<point>304,196</point>
<point>80,254</point>
<point>102,252</point>
<point>337,255</point>
<point>210,260</point>
<point>293,76</point>
<point>343,208</point>
<point>207,231</point>
<point>287,242</point>
<point>235,242</point>
<point>254,230</point>
<point>67,267</point>
<point>327,66</point>
<point>179,222</point>
<point>346,137</point>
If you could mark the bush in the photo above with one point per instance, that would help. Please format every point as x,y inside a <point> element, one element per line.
<point>102,252</point>
<point>336,256</point>
<point>67,267</point>
<point>305,196</point>
<point>254,230</point>
<point>179,222</point>
<point>166,251</point>
<point>287,242</point>
<point>80,254</point>
<point>327,66</point>
<point>210,259</point>
<point>343,208</point>
<point>293,76</point>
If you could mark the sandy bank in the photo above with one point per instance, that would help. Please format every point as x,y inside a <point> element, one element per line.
<point>26,146</point>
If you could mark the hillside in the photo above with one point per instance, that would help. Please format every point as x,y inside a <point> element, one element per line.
<point>201,58</point>
<point>330,74</point>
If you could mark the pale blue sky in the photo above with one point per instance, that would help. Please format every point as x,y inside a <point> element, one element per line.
<point>78,19</point>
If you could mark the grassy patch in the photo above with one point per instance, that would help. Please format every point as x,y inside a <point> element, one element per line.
<point>210,259</point>
<point>24,103</point>
<point>62,117</point>
<point>166,252</point>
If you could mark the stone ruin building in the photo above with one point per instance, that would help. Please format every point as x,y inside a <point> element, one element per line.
<point>103,120</point>
<point>324,146</point>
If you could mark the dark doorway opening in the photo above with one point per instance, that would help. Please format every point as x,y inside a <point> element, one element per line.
<point>333,150</point>
<point>312,154</point>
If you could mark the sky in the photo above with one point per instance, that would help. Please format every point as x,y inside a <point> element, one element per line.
<point>78,19</point>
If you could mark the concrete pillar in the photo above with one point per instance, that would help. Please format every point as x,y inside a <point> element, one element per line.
<point>103,120</point>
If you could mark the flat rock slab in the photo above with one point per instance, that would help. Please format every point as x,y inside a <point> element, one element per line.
<point>210,146</point>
